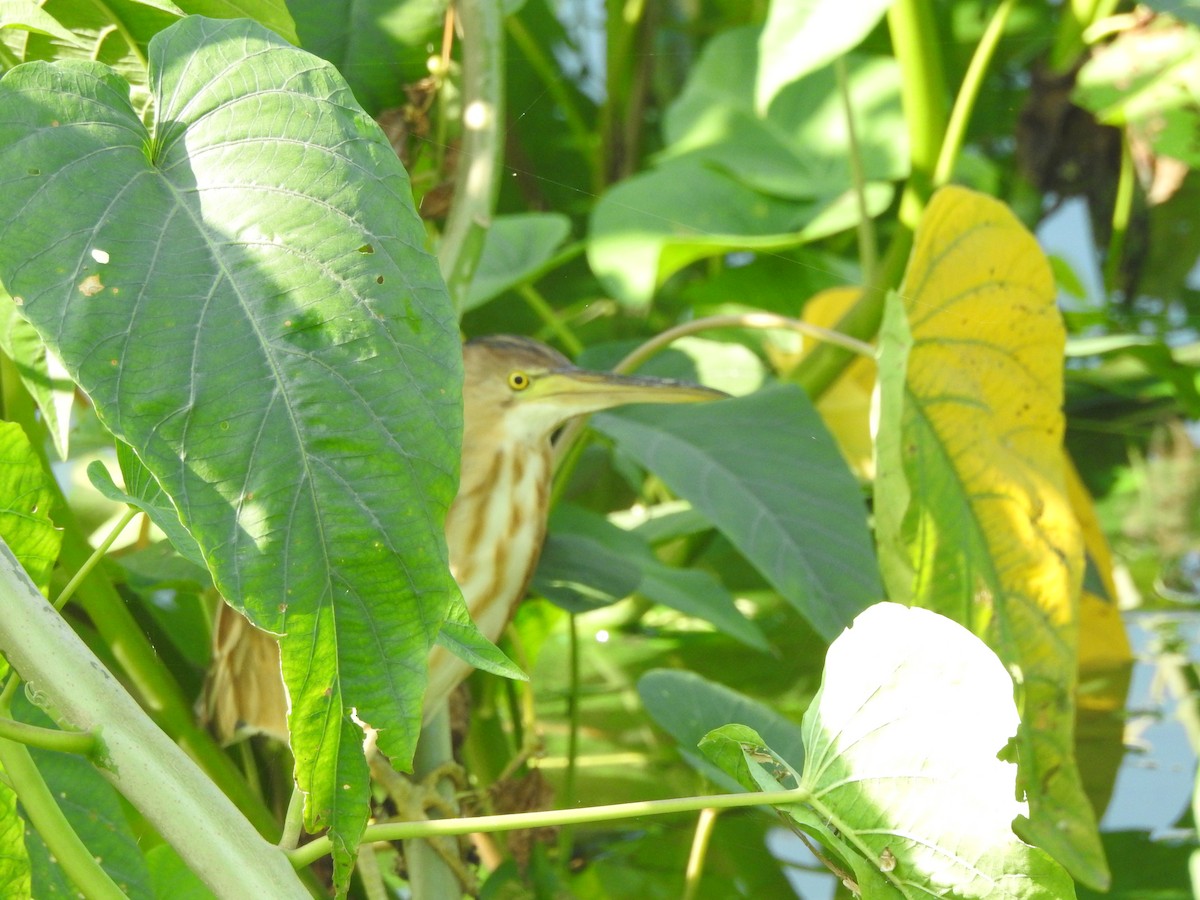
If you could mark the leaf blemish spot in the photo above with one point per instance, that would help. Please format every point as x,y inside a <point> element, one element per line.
<point>91,286</point>
<point>366,248</point>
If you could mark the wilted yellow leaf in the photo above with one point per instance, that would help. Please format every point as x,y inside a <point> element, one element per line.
<point>972,514</point>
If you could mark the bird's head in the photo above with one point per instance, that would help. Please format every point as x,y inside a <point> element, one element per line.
<point>523,389</point>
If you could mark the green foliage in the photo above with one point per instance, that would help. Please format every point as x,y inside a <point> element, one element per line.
<point>219,280</point>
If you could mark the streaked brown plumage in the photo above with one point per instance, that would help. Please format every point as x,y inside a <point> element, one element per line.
<point>517,393</point>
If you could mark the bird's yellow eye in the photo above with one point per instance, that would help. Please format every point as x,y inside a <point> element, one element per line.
<point>518,380</point>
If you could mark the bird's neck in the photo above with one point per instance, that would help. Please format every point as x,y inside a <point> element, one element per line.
<point>494,530</point>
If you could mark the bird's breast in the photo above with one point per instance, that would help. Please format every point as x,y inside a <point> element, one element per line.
<point>494,532</point>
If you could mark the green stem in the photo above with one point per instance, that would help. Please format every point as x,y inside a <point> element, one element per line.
<point>85,743</point>
<point>47,818</point>
<point>700,841</point>
<point>615,812</point>
<point>550,75</point>
<point>566,834</point>
<point>293,820</point>
<point>94,560</point>
<point>1077,16</point>
<point>1122,212</point>
<point>922,94</point>
<point>968,93</point>
<point>917,48</point>
<point>868,252</point>
<point>144,671</point>
<point>550,317</point>
<point>623,23</point>
<point>478,179</point>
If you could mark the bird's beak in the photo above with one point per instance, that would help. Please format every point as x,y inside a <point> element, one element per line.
<point>586,392</point>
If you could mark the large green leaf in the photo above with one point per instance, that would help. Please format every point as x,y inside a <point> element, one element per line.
<point>244,295</point>
<point>972,514</point>
<point>902,774</point>
<point>767,473</point>
<point>798,146</point>
<point>650,226</point>
<point>800,36</point>
<point>377,45</point>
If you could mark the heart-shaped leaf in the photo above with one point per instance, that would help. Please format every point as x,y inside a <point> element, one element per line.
<point>972,514</point>
<point>244,294</point>
<point>902,774</point>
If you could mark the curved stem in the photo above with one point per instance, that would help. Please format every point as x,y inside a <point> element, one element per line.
<point>700,841</point>
<point>398,831</point>
<point>745,320</point>
<point>94,560</point>
<point>868,253</point>
<point>85,743</point>
<point>550,318</point>
<point>1122,210</point>
<point>565,448</point>
<point>478,178</point>
<point>923,94</point>
<point>968,93</point>
<point>565,835</point>
<point>44,814</point>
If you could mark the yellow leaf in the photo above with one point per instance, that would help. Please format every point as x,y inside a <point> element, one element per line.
<point>972,514</point>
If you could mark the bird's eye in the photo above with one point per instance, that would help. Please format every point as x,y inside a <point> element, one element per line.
<point>518,381</point>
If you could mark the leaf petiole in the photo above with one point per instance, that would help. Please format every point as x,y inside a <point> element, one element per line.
<point>396,831</point>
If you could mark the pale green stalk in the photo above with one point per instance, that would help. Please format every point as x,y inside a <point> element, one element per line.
<point>557,818</point>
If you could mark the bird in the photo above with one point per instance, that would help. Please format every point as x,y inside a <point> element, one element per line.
<point>517,393</point>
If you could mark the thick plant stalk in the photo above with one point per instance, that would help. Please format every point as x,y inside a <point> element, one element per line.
<point>157,777</point>
<point>478,177</point>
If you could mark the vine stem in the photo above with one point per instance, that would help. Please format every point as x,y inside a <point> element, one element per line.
<point>968,93</point>
<point>478,177</point>
<point>743,320</point>
<point>868,252</point>
<point>398,831</point>
<point>85,743</point>
<point>47,818</point>
<point>94,560</point>
<point>564,447</point>
<point>700,841</point>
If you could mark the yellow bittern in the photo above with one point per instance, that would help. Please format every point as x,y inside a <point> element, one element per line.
<point>517,393</point>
